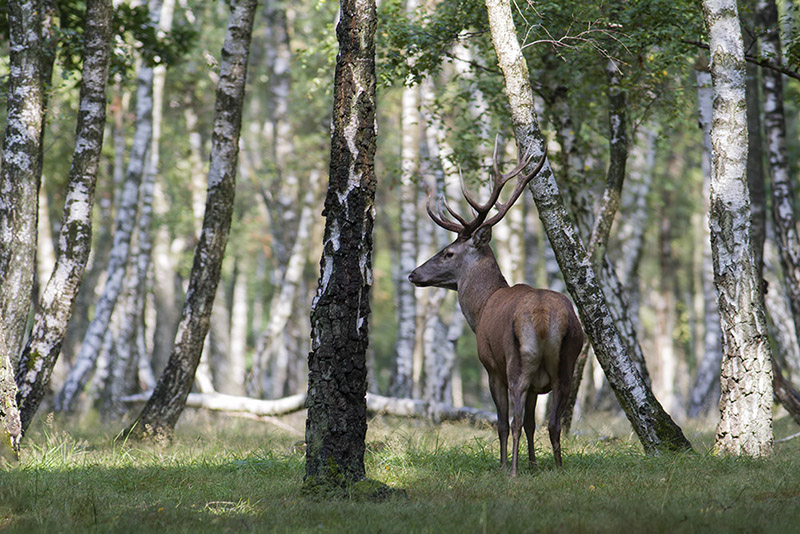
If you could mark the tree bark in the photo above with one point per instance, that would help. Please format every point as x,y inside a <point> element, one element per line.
<point>168,400</point>
<point>19,181</point>
<point>124,226</point>
<point>403,375</point>
<point>652,424</point>
<point>745,426</point>
<point>21,171</point>
<point>337,379</point>
<point>75,239</point>
<point>783,201</point>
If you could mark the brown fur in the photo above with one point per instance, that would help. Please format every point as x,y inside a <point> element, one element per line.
<point>528,339</point>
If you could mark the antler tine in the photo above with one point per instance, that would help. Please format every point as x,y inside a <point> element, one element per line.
<point>502,208</point>
<point>439,219</point>
<point>521,164</point>
<point>453,212</point>
<point>471,201</point>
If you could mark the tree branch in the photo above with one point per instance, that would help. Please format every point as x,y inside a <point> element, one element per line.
<point>761,62</point>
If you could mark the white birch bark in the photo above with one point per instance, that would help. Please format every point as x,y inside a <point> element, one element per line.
<point>19,177</point>
<point>745,426</point>
<point>124,226</point>
<point>783,201</point>
<point>655,428</point>
<point>125,353</point>
<point>75,239</point>
<point>403,375</point>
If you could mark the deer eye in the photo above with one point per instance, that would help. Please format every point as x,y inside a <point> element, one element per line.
<point>449,254</point>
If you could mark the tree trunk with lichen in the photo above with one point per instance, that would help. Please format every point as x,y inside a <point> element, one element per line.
<point>745,426</point>
<point>655,428</point>
<point>169,397</point>
<point>337,381</point>
<point>19,183</point>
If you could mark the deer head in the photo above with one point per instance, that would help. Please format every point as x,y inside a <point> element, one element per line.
<point>449,265</point>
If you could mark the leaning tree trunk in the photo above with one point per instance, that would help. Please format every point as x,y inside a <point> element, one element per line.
<point>655,428</point>
<point>337,380</point>
<point>19,182</point>
<point>745,426</point>
<point>75,240</point>
<point>124,226</point>
<point>168,400</point>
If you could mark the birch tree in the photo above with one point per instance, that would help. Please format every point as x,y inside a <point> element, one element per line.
<point>336,424</point>
<point>19,182</point>
<point>75,239</point>
<point>124,226</point>
<point>745,426</point>
<point>652,424</point>
<point>783,201</point>
<point>169,397</point>
<point>21,171</point>
<point>129,339</point>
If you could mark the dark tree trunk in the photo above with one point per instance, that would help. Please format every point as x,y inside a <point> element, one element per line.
<point>337,378</point>
<point>168,400</point>
<point>58,297</point>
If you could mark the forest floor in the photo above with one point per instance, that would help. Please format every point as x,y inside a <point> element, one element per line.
<point>232,475</point>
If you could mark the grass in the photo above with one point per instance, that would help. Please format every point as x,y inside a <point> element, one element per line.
<point>227,475</point>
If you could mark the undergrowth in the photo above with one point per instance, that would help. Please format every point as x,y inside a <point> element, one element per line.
<point>225,475</point>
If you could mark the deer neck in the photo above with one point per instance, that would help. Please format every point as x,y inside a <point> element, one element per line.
<point>477,285</point>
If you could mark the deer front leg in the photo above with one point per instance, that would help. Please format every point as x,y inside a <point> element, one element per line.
<point>500,396</point>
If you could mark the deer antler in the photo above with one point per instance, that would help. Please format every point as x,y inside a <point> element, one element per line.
<point>465,228</point>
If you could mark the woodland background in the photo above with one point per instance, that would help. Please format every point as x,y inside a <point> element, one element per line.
<point>440,106</point>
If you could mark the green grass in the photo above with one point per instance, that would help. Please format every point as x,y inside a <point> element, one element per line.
<point>227,475</point>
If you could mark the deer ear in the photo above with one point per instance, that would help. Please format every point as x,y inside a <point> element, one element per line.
<point>482,236</point>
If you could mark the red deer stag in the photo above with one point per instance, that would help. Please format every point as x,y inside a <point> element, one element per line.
<point>528,339</point>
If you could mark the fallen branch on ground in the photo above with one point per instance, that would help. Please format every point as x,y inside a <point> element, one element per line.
<point>377,404</point>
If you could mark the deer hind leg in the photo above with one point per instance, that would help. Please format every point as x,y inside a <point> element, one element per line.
<point>530,425</point>
<point>568,354</point>
<point>500,396</point>
<point>560,393</point>
<point>518,401</point>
